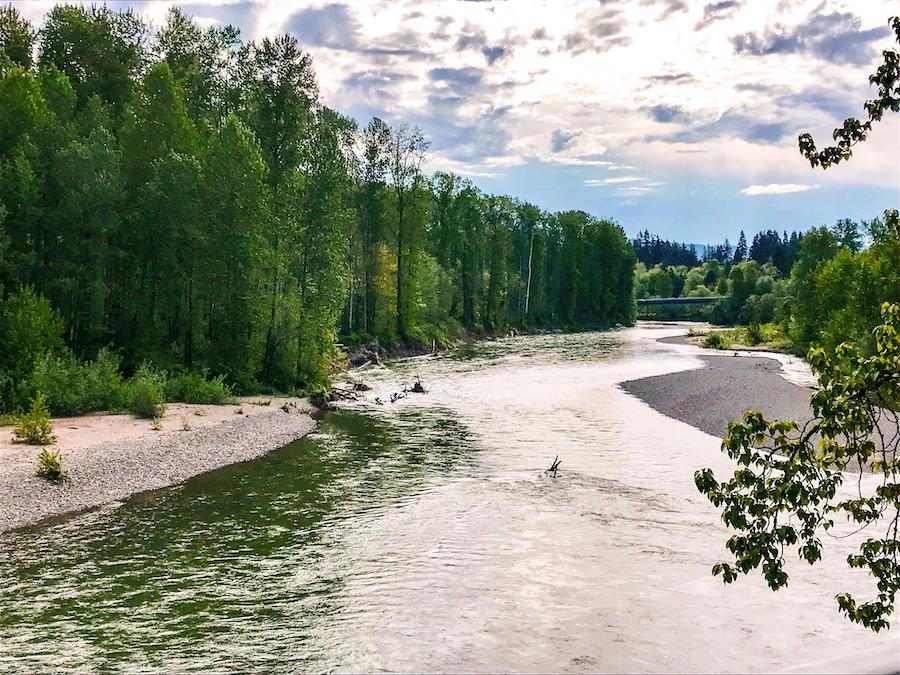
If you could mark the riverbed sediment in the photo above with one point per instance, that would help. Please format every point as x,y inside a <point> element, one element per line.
<point>721,391</point>
<point>111,470</point>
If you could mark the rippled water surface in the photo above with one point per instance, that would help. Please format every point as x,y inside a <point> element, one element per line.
<point>423,535</point>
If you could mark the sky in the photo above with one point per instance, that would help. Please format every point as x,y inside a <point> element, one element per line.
<point>676,116</point>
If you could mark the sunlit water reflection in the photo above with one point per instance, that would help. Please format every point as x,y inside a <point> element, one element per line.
<point>423,535</point>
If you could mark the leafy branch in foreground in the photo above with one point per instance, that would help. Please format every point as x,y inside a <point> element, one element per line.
<point>887,79</point>
<point>783,494</point>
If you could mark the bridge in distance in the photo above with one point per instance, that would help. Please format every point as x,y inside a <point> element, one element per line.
<point>673,302</point>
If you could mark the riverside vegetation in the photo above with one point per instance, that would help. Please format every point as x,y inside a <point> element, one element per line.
<point>134,163</point>
<point>783,292</point>
<point>178,203</point>
<point>785,491</point>
<point>34,427</point>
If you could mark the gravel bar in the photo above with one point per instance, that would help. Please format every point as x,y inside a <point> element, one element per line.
<point>115,470</point>
<point>720,392</point>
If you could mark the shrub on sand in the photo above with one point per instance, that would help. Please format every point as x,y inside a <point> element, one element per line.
<point>147,392</point>
<point>50,466</point>
<point>34,427</point>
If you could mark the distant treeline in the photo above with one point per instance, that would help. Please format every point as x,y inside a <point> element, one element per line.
<point>767,247</point>
<point>184,198</point>
<point>819,288</point>
<point>651,250</point>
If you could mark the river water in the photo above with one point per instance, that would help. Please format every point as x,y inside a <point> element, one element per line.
<point>423,535</point>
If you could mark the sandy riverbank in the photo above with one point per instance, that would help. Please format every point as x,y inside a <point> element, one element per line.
<point>110,457</point>
<point>722,390</point>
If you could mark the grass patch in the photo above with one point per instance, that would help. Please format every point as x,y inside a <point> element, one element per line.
<point>765,336</point>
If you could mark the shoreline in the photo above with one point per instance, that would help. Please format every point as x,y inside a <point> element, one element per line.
<point>112,457</point>
<point>723,388</point>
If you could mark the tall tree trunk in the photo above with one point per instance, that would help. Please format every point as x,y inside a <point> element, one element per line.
<point>528,285</point>
<point>350,266</point>
<point>300,332</point>
<point>269,352</point>
<point>189,331</point>
<point>401,312</point>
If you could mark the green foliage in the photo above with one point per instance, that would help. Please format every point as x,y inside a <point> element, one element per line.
<point>837,291</point>
<point>186,199</point>
<point>99,50</point>
<point>146,392</point>
<point>59,375</point>
<point>784,493</point>
<point>196,388</point>
<point>29,329</point>
<point>16,37</point>
<point>657,282</point>
<point>75,388</point>
<point>766,336</point>
<point>50,466</point>
<point>34,427</point>
<point>887,79</point>
<point>103,385</point>
<point>714,341</point>
<point>754,334</point>
<point>24,108</point>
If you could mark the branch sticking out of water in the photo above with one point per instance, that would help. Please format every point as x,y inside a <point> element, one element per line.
<point>553,467</point>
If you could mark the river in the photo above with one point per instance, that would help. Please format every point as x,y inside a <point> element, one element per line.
<point>423,535</point>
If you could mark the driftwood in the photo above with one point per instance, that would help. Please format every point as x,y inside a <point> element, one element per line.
<point>343,394</point>
<point>553,467</point>
<point>365,357</point>
<point>417,388</point>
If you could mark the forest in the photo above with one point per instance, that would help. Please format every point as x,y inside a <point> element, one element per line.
<point>817,288</point>
<point>180,201</point>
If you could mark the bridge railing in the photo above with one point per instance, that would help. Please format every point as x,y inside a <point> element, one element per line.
<point>661,302</point>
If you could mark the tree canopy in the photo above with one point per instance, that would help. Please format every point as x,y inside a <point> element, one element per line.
<point>785,492</point>
<point>184,198</point>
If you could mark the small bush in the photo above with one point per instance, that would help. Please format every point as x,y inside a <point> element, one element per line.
<point>714,341</point>
<point>29,328</point>
<point>34,427</point>
<point>102,385</point>
<point>754,334</point>
<point>57,377</point>
<point>50,466</point>
<point>146,392</point>
<point>72,388</point>
<point>195,388</point>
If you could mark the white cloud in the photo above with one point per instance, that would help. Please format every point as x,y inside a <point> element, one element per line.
<point>720,114</point>
<point>645,186</point>
<point>777,189</point>
<point>623,179</point>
